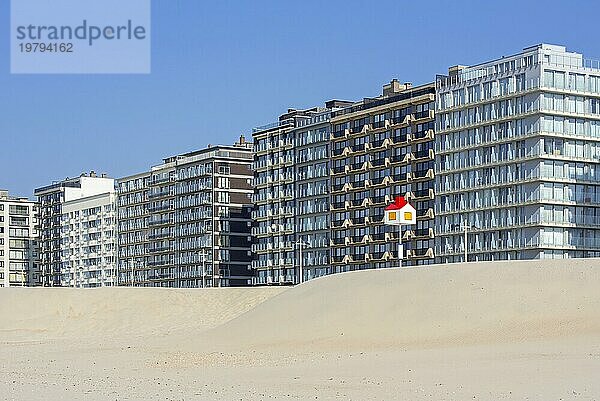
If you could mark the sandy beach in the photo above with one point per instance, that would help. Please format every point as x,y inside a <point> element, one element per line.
<point>486,331</point>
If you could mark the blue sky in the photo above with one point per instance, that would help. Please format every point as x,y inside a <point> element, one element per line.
<point>221,68</point>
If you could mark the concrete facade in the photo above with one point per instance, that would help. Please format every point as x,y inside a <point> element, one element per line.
<point>19,264</point>
<point>52,199</point>
<point>187,222</point>
<point>88,241</point>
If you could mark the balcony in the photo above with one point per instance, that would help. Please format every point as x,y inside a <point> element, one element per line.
<point>424,115</point>
<point>339,134</point>
<point>155,263</point>
<point>339,170</point>
<point>160,235</point>
<point>161,194</point>
<point>337,152</point>
<point>161,222</point>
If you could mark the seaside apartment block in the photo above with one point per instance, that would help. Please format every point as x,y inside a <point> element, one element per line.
<point>77,231</point>
<point>274,205</point>
<point>323,177</point>
<point>19,265</point>
<point>88,241</point>
<point>518,158</point>
<point>291,181</point>
<point>382,147</point>
<point>187,221</point>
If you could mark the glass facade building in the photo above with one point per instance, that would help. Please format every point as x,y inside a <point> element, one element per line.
<point>518,158</point>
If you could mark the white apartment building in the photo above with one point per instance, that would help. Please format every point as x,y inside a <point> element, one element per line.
<point>18,242</point>
<point>88,241</point>
<point>518,158</point>
<point>64,240</point>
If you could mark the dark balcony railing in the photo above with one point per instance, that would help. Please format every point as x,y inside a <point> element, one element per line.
<point>378,162</point>
<point>422,114</point>
<point>378,218</point>
<point>377,181</point>
<point>421,193</point>
<point>423,232</point>
<point>378,237</point>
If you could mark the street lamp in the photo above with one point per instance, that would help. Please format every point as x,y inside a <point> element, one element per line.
<point>465,227</point>
<point>203,254</point>
<point>132,272</point>
<point>301,244</point>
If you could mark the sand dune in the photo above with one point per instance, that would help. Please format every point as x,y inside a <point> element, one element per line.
<point>443,305</point>
<point>503,330</point>
<point>65,313</point>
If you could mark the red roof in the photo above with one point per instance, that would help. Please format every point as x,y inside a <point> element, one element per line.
<point>399,204</point>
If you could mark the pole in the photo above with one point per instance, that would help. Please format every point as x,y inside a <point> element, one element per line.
<point>203,269</point>
<point>400,250</point>
<point>300,264</point>
<point>466,245</point>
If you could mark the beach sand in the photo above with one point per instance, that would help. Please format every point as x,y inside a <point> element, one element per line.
<point>477,331</point>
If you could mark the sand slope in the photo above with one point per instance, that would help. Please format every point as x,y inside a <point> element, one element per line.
<point>65,313</point>
<point>439,305</point>
<point>492,331</point>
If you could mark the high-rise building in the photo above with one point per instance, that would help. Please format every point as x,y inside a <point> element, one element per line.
<point>88,241</point>
<point>312,136</point>
<point>55,232</point>
<point>518,158</point>
<point>18,242</point>
<point>274,205</point>
<point>187,221</point>
<point>292,196</point>
<point>381,148</point>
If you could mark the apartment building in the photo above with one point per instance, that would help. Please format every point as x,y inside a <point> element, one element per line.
<point>517,158</point>
<point>187,221</point>
<point>88,241</point>
<point>55,234</point>
<point>291,196</point>
<point>311,190</point>
<point>273,199</point>
<point>381,148</point>
<point>19,265</point>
